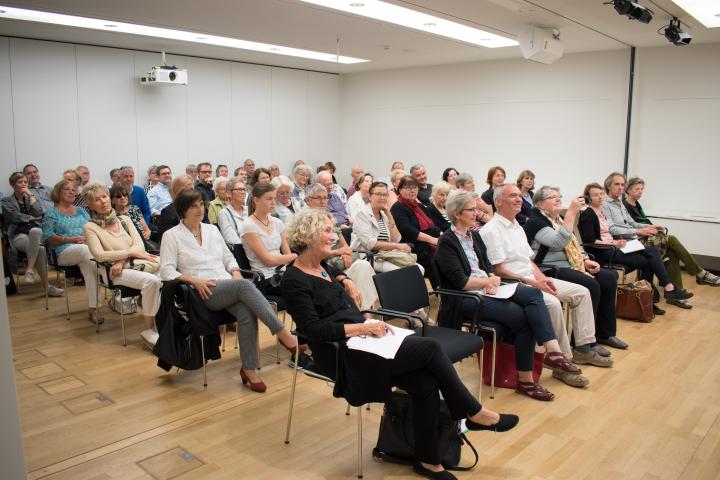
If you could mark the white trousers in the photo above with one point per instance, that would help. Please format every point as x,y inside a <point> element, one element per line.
<point>362,273</point>
<point>79,254</point>
<point>581,314</point>
<point>149,285</point>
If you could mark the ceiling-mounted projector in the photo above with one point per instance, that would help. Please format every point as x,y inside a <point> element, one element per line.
<point>165,75</point>
<point>540,45</point>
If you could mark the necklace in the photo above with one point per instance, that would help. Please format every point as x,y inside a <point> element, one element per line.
<point>314,269</point>
<point>266,224</point>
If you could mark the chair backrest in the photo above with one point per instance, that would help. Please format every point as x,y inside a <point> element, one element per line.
<point>347,234</point>
<point>403,290</point>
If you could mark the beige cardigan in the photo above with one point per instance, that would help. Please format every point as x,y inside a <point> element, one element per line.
<point>106,247</point>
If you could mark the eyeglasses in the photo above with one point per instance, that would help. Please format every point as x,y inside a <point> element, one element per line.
<point>239,190</point>
<point>553,197</point>
<point>205,171</point>
<point>382,195</point>
<point>468,209</point>
<point>319,198</point>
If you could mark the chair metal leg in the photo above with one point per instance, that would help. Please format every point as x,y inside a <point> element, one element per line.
<point>492,368</point>
<point>360,462</point>
<point>202,350</point>
<point>67,298</point>
<point>481,360</point>
<point>277,340</point>
<point>347,412</point>
<point>292,396</point>
<point>224,336</point>
<point>122,321</point>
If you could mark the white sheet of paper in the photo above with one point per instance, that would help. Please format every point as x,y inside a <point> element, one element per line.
<point>503,291</point>
<point>632,246</point>
<point>385,346</point>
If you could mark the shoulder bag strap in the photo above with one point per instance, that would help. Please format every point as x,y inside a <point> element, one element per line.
<point>477,457</point>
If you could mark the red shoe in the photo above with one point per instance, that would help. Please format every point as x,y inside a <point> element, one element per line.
<point>258,387</point>
<point>292,349</point>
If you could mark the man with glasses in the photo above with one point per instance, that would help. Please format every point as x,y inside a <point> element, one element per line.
<point>159,196</point>
<point>39,191</point>
<point>334,203</point>
<point>204,183</point>
<point>137,194</point>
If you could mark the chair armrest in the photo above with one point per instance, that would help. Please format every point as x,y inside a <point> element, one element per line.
<point>405,316</point>
<point>549,270</point>
<point>468,295</point>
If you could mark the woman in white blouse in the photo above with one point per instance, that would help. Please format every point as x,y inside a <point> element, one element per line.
<point>374,228</point>
<point>361,197</point>
<point>195,253</point>
<point>264,238</point>
<point>231,218</point>
<point>286,205</point>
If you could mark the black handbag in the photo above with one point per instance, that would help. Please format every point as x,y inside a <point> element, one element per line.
<point>396,436</point>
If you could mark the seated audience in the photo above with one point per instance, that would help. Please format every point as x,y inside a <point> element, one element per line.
<point>169,217</point>
<point>495,178</point>
<point>74,177</point>
<point>274,171</point>
<point>335,204</point>
<point>332,169</point>
<point>301,177</point>
<point>463,265</point>
<point>552,239</point>
<point>242,173</point>
<point>436,207</point>
<point>62,228</point>
<point>159,196</point>
<point>220,201</point>
<point>263,238</point>
<point>595,229</point>
<point>415,226</point>
<point>191,171</point>
<point>40,192</point>
<point>231,218</point>
<point>344,259</point>
<point>22,214</point>
<point>260,175</point>
<point>203,184</point>
<point>355,173</point>
<point>286,205</point>
<point>121,203</point>
<point>393,191</point>
<point>424,188</point>
<point>449,175</point>
<point>221,171</point>
<point>397,166</point>
<point>152,178</point>
<point>319,303</point>
<point>676,251</point>
<point>483,211</point>
<point>114,176</point>
<point>361,197</point>
<point>84,175</point>
<point>114,239</point>
<point>375,229</point>
<point>137,194</point>
<point>509,252</point>
<point>526,183</point>
<point>249,166</point>
<point>194,253</point>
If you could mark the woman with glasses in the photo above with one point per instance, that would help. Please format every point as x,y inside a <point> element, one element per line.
<point>231,218</point>
<point>120,201</point>
<point>415,225</point>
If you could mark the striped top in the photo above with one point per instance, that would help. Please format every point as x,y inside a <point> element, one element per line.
<point>384,235</point>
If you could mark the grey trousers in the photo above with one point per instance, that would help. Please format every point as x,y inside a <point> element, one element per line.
<point>242,300</point>
<point>31,244</point>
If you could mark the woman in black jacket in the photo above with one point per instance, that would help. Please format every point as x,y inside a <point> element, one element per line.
<point>318,300</point>
<point>415,225</point>
<point>463,265</point>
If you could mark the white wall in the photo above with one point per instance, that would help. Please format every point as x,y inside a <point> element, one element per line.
<point>554,119</point>
<point>62,105</point>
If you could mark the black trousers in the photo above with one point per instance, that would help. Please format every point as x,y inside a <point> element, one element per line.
<point>525,315</point>
<point>648,260</point>
<point>603,291</point>
<point>422,368</point>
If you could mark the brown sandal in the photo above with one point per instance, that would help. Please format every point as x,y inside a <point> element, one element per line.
<point>558,361</point>
<point>534,390</point>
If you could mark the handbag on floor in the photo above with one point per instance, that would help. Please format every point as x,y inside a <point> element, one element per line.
<point>396,437</point>
<point>506,375</point>
<point>635,301</point>
<point>129,304</point>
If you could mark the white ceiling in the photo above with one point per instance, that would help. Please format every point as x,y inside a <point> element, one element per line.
<point>585,25</point>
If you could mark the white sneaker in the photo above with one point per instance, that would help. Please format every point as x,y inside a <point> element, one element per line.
<point>54,291</point>
<point>149,337</point>
<point>29,277</point>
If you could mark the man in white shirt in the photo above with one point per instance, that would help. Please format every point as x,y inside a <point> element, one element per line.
<point>159,196</point>
<point>510,253</point>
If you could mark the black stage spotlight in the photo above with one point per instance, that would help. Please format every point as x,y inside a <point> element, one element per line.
<point>633,10</point>
<point>675,35</point>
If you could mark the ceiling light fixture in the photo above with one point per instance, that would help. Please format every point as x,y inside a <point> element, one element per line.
<point>633,10</point>
<point>157,32</point>
<point>706,12</point>
<point>674,33</point>
<point>415,20</point>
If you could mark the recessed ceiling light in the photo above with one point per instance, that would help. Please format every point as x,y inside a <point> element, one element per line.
<point>157,32</point>
<point>705,11</point>
<point>406,17</point>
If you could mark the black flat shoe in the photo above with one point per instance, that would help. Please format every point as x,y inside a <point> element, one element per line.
<point>613,342</point>
<point>444,475</point>
<point>677,294</point>
<point>507,422</point>
<point>679,303</point>
<point>657,310</point>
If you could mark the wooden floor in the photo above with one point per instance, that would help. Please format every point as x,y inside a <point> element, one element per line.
<point>93,409</point>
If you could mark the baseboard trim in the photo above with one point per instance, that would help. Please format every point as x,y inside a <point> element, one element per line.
<point>708,262</point>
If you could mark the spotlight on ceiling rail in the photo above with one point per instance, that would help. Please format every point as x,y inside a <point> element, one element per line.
<point>674,33</point>
<point>633,10</point>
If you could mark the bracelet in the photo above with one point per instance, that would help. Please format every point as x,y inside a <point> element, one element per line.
<point>343,279</point>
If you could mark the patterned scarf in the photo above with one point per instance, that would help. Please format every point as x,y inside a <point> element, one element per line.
<point>423,219</point>
<point>573,252</point>
<point>103,220</point>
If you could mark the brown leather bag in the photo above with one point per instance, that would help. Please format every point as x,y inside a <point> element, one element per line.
<point>635,302</point>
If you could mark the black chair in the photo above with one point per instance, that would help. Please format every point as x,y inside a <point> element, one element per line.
<point>104,280</point>
<point>403,291</point>
<point>72,271</point>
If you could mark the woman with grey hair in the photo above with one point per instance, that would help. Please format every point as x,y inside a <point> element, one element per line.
<point>231,218</point>
<point>463,265</point>
<point>552,239</point>
<point>286,205</point>
<point>152,179</point>
<point>320,301</point>
<point>222,196</point>
<point>436,208</point>
<point>301,177</point>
